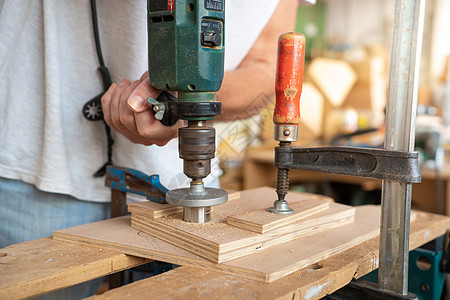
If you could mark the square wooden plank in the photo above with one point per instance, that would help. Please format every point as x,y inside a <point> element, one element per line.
<point>263,221</point>
<point>266,265</point>
<point>219,242</point>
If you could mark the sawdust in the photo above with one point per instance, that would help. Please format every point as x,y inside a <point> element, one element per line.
<point>216,221</point>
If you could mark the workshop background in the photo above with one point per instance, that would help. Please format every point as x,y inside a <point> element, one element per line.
<point>343,103</point>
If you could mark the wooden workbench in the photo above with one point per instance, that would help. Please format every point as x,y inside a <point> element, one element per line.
<point>259,170</point>
<point>40,266</point>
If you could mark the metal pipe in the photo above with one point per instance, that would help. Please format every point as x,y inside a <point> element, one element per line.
<point>400,130</point>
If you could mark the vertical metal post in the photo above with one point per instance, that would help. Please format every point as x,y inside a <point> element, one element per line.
<point>400,127</point>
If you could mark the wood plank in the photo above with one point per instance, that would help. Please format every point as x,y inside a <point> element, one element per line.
<point>253,243</point>
<point>312,282</point>
<point>40,266</point>
<point>238,202</point>
<point>262,221</point>
<point>163,210</point>
<point>117,234</point>
<point>219,242</point>
<point>265,265</point>
<point>302,252</point>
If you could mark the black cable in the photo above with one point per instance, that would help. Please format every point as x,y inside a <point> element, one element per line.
<point>106,79</point>
<point>96,35</point>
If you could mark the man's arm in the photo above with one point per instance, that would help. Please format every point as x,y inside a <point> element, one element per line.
<point>256,73</point>
<point>126,111</point>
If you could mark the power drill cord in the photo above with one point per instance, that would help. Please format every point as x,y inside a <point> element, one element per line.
<point>92,110</point>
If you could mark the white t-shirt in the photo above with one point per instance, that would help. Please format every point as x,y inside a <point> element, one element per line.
<point>48,71</point>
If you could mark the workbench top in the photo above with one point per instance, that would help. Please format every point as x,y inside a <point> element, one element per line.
<point>44,265</point>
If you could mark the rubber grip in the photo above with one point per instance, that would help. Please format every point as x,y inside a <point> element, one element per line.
<point>289,78</point>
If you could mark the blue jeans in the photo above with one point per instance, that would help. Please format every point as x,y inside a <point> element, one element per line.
<point>27,213</point>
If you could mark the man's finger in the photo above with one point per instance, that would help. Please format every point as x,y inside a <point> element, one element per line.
<point>106,100</point>
<point>137,104</point>
<point>115,103</point>
<point>126,114</point>
<point>149,127</point>
<point>137,101</point>
<point>144,76</point>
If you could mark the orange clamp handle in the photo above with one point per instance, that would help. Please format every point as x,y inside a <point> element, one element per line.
<point>289,78</point>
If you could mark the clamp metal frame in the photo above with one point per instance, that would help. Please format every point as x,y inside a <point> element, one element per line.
<point>354,161</point>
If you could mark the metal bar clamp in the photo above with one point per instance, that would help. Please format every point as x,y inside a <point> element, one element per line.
<point>354,161</point>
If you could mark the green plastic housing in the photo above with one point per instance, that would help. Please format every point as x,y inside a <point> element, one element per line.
<point>177,59</point>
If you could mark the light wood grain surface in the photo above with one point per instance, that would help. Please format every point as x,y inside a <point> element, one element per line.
<point>218,241</point>
<point>265,265</point>
<point>312,282</point>
<point>263,221</point>
<point>27,270</point>
<point>40,266</point>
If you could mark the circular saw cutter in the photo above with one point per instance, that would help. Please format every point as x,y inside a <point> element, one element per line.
<point>196,147</point>
<point>196,201</point>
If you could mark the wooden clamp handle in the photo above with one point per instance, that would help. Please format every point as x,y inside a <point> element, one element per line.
<point>289,78</point>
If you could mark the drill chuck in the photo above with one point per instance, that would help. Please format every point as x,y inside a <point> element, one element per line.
<point>197,147</point>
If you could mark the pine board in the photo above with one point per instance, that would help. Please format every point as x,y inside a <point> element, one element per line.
<point>163,210</point>
<point>262,221</point>
<point>312,282</point>
<point>219,242</point>
<point>32,268</point>
<point>266,265</point>
<point>40,266</point>
<point>238,202</point>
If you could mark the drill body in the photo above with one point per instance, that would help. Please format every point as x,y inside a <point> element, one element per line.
<point>186,55</point>
<point>186,45</point>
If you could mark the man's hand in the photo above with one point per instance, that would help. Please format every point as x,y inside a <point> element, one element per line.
<point>127,112</point>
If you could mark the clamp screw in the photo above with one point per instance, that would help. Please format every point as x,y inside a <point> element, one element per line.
<point>286,132</point>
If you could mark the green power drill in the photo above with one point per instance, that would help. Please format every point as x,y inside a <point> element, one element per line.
<point>186,55</point>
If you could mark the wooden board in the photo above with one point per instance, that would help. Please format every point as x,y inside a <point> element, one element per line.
<point>164,210</point>
<point>28,272</point>
<point>219,242</point>
<point>161,210</point>
<point>238,202</point>
<point>40,266</point>
<point>312,282</point>
<point>266,265</point>
<point>262,221</point>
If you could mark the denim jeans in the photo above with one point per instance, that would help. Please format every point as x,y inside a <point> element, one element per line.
<point>27,213</point>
